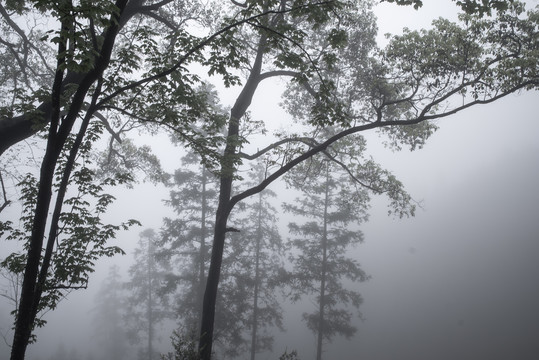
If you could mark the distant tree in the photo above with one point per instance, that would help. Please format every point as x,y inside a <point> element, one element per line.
<point>184,240</point>
<point>332,205</point>
<point>146,303</point>
<point>184,243</point>
<point>261,249</point>
<point>62,354</point>
<point>108,316</point>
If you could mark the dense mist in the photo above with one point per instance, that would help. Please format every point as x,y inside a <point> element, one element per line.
<point>455,277</point>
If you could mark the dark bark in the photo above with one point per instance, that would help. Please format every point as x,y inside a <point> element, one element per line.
<point>224,207</point>
<point>60,195</point>
<point>58,133</point>
<point>25,313</point>
<point>18,128</point>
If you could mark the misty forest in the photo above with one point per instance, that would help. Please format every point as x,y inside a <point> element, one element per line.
<point>269,179</point>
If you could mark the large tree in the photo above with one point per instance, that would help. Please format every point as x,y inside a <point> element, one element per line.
<point>339,79</point>
<point>71,83</point>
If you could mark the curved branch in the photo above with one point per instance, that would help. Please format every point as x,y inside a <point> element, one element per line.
<point>306,140</point>
<point>356,129</point>
<point>205,42</point>
<point>4,194</point>
<point>354,178</point>
<point>237,3</point>
<point>276,73</point>
<point>483,102</point>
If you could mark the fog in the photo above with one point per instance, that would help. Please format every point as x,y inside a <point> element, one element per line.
<point>460,280</point>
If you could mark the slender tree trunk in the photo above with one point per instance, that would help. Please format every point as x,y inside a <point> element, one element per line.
<point>58,133</point>
<point>150,304</point>
<point>202,250</point>
<point>321,319</point>
<point>60,196</point>
<point>228,167</point>
<point>25,319</point>
<point>257,278</point>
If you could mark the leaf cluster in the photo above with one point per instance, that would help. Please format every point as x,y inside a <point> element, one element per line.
<point>480,7</point>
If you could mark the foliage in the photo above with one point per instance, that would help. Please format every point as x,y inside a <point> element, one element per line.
<point>147,304</point>
<point>331,206</point>
<point>108,317</point>
<point>184,240</point>
<point>82,237</point>
<point>185,347</point>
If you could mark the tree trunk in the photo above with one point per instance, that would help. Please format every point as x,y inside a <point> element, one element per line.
<point>58,133</point>
<point>25,313</point>
<point>228,168</point>
<point>257,278</point>
<point>202,250</point>
<point>321,319</point>
<point>150,304</point>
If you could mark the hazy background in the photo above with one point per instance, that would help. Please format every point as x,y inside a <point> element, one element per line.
<point>458,281</point>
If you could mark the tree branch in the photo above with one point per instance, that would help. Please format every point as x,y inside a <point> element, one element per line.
<point>305,140</point>
<point>4,194</point>
<point>356,129</point>
<point>200,46</point>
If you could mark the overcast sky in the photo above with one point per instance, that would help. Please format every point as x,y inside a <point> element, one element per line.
<point>458,281</point>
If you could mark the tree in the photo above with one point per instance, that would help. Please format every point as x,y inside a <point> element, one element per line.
<point>261,248</point>
<point>77,238</point>
<point>63,94</point>
<point>340,80</point>
<point>185,244</point>
<point>108,317</point>
<point>184,237</point>
<point>333,204</point>
<point>146,303</point>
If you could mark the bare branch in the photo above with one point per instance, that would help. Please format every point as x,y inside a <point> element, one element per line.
<point>306,140</point>
<point>4,194</point>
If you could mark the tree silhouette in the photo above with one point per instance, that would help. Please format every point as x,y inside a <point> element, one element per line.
<point>147,304</point>
<point>108,318</point>
<point>332,206</point>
